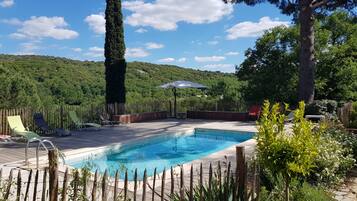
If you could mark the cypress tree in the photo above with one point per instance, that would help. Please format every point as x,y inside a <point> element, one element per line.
<point>115,64</point>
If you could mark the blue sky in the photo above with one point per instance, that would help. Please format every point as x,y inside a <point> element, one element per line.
<point>199,34</point>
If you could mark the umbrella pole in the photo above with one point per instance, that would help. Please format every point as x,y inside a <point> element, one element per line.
<point>175,103</point>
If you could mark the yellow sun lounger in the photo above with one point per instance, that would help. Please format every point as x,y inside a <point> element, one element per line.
<point>18,129</point>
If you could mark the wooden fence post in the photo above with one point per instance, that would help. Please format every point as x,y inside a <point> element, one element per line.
<point>94,190</point>
<point>201,182</point>
<point>65,185</point>
<point>34,198</point>
<point>172,182</point>
<point>19,184</point>
<point>191,184</point>
<point>144,186</point>
<point>104,186</point>
<point>53,174</point>
<point>241,172</point>
<point>43,197</point>
<point>125,184</point>
<point>116,186</point>
<point>135,183</point>
<point>8,188</point>
<point>61,117</point>
<point>153,186</point>
<point>163,185</point>
<point>28,185</point>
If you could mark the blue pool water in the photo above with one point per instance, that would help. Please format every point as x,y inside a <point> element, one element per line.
<point>163,152</point>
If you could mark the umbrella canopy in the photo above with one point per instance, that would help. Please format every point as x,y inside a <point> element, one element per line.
<point>181,84</point>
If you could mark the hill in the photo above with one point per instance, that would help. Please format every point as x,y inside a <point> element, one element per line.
<point>44,80</point>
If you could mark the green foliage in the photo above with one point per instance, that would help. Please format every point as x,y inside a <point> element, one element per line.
<point>219,191</point>
<point>346,139</point>
<point>114,51</point>
<point>271,67</point>
<point>311,193</point>
<point>63,81</point>
<point>17,90</point>
<point>337,155</point>
<point>353,116</point>
<point>114,47</point>
<point>286,154</point>
<point>299,192</point>
<point>281,152</point>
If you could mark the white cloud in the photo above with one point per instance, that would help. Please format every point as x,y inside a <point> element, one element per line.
<point>7,3</point>
<point>96,23</point>
<point>152,45</point>
<point>136,52</point>
<point>253,29</point>
<point>232,53</point>
<point>11,21</point>
<point>165,14</point>
<point>141,30</point>
<point>182,60</point>
<point>213,42</point>
<point>229,68</point>
<point>209,59</point>
<point>44,27</point>
<point>95,52</point>
<point>166,60</point>
<point>77,49</point>
<point>170,60</point>
<point>28,48</point>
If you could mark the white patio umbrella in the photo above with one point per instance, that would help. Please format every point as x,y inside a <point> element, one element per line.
<point>181,84</point>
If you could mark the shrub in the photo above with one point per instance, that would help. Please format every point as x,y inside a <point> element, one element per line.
<point>310,193</point>
<point>346,139</point>
<point>332,162</point>
<point>299,192</point>
<point>286,154</point>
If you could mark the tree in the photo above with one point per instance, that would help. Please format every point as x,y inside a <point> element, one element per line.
<point>115,64</point>
<point>17,90</point>
<point>305,12</point>
<point>271,67</point>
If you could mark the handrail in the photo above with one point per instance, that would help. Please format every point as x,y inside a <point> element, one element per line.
<point>27,147</point>
<point>40,143</point>
<point>37,152</point>
<point>54,147</point>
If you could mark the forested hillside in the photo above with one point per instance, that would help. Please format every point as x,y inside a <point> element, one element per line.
<point>43,80</point>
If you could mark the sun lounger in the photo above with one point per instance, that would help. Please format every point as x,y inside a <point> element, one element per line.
<point>79,123</point>
<point>18,129</point>
<point>105,120</point>
<point>45,129</point>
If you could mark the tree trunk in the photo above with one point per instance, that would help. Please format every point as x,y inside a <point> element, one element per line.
<point>307,60</point>
<point>287,185</point>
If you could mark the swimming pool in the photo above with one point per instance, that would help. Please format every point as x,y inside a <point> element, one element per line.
<point>161,152</point>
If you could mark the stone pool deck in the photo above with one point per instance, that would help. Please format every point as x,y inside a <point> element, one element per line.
<point>90,139</point>
<point>87,140</point>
